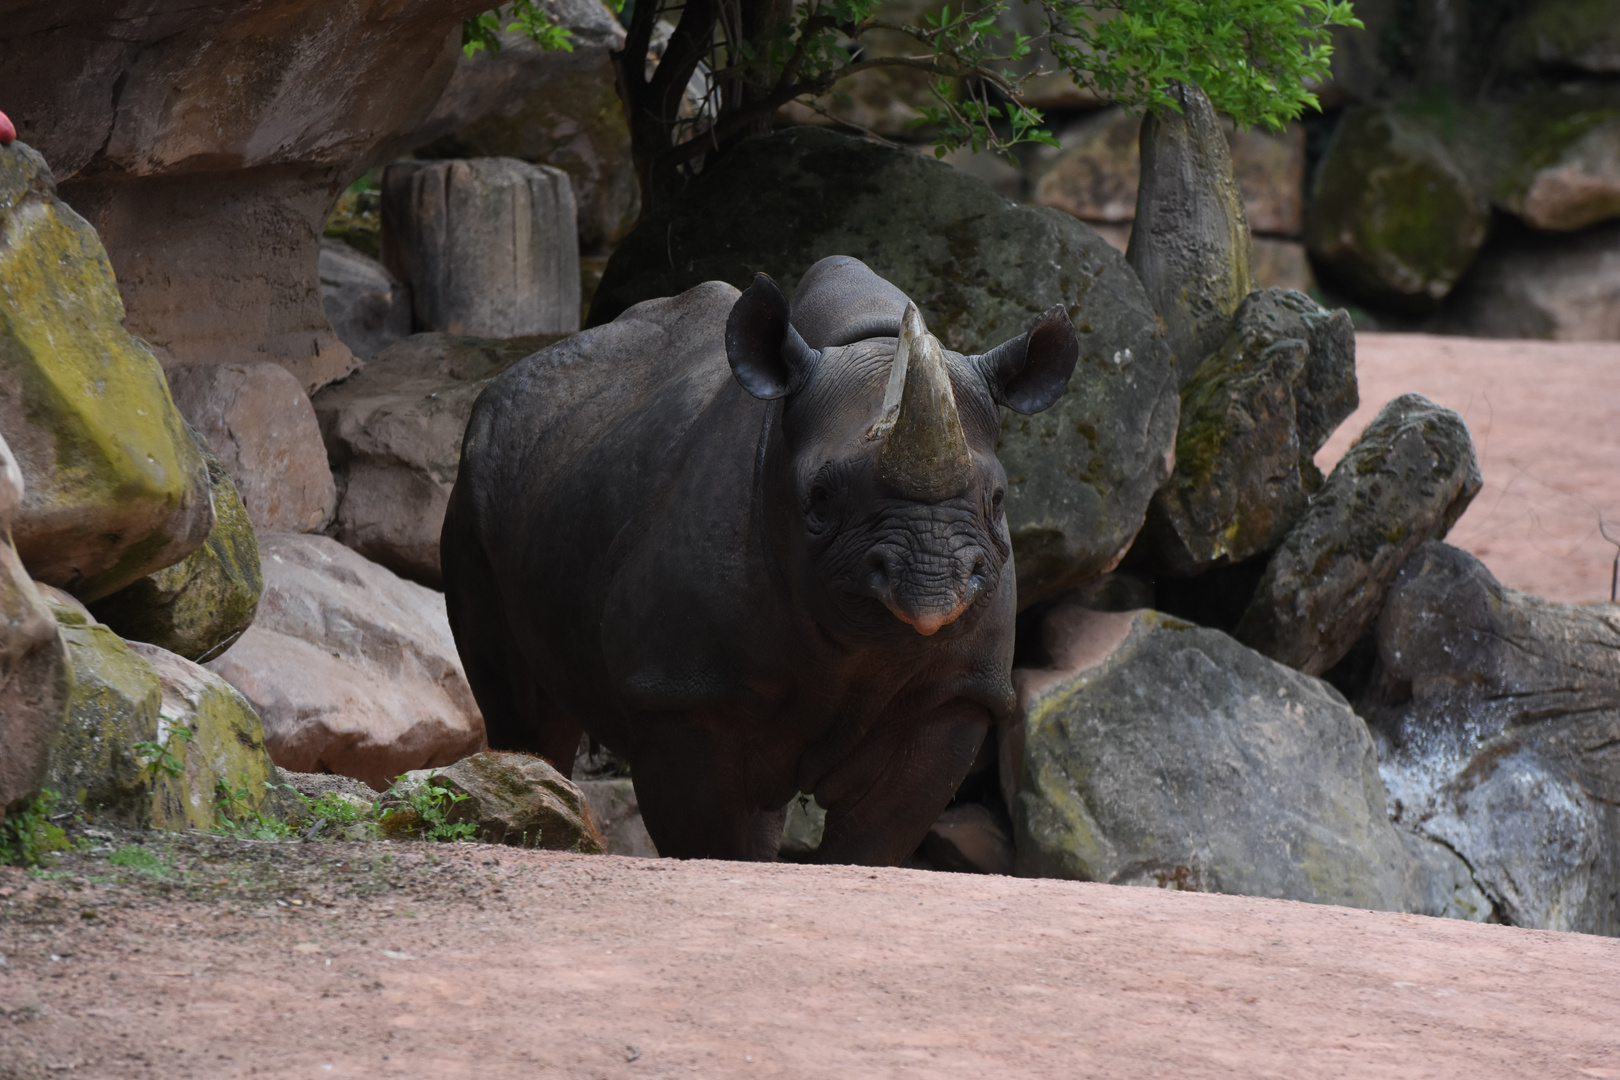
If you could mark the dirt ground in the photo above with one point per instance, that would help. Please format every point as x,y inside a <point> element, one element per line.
<point>1545,417</point>
<point>211,957</point>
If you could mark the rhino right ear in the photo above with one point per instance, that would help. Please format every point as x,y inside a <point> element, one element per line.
<point>767,356</point>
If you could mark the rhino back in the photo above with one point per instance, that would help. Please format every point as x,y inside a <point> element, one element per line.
<point>580,459</point>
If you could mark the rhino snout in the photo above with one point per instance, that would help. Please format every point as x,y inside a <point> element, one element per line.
<point>928,591</point>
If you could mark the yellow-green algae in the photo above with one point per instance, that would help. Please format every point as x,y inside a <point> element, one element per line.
<point>116,488</point>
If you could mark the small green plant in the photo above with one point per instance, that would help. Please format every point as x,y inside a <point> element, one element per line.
<point>528,17</point>
<point>136,858</point>
<point>162,759</point>
<point>27,837</point>
<point>426,812</point>
<point>233,806</point>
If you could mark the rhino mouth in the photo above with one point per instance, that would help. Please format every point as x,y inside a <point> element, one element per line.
<point>929,603</point>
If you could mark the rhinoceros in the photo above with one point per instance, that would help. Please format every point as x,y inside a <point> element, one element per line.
<point>756,550</point>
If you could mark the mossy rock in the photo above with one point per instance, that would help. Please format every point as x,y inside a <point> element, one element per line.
<point>228,774</point>
<point>1394,217</point>
<point>1566,175</point>
<point>116,488</point>
<point>357,221</point>
<point>198,607</point>
<point>1560,35</point>
<point>512,799</point>
<point>115,702</point>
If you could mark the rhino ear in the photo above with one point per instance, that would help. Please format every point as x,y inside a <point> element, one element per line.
<point>1030,372</point>
<point>767,356</point>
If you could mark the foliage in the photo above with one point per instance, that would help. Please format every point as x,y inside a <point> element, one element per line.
<point>161,758</point>
<point>528,17</point>
<point>424,810</point>
<point>27,837</point>
<point>1255,59</point>
<point>234,809</point>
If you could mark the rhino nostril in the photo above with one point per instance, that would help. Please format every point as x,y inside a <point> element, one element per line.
<point>878,572</point>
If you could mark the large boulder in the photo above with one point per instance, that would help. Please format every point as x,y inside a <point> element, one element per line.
<point>1498,718</point>
<point>982,269</point>
<point>257,419</point>
<point>35,680</point>
<point>548,107</point>
<point>1153,752</point>
<point>1190,244</point>
<point>199,606</point>
<point>509,798</point>
<point>115,705</point>
<point>393,436</point>
<point>116,487</point>
<point>1560,36</point>
<point>1253,416</point>
<point>351,669</point>
<point>1541,285</point>
<point>368,309</point>
<point>1393,217</point>
<point>207,144</point>
<point>488,246</point>
<point>1570,178</point>
<point>225,769</point>
<point>1405,482</point>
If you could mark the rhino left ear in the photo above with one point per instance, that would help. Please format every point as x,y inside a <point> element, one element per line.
<point>767,356</point>
<point>1030,372</point>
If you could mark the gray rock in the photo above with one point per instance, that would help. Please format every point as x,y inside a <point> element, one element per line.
<point>199,606</point>
<point>367,308</point>
<point>488,246</point>
<point>1153,752</point>
<point>1190,243</point>
<point>1252,417</point>
<point>1560,35</point>
<point>981,269</point>
<point>1541,285</point>
<point>803,825</point>
<point>352,669</point>
<point>1498,717</point>
<point>548,107</point>
<point>35,680</point>
<point>257,419</point>
<point>393,436</point>
<point>1393,217</point>
<point>1572,183</point>
<point>1406,481</point>
<point>512,799</point>
<point>617,813</point>
<point>1094,174</point>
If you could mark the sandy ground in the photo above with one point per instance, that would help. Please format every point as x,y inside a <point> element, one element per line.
<point>225,958</point>
<point>1545,417</point>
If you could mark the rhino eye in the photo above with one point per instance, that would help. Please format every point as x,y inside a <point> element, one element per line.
<point>996,500</point>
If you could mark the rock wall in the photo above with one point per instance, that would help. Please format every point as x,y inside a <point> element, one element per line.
<point>206,145</point>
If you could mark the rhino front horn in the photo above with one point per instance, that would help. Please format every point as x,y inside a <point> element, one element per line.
<point>924,454</point>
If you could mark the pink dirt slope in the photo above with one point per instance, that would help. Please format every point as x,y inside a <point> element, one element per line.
<point>1545,417</point>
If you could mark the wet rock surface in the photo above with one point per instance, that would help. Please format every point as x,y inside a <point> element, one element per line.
<point>1153,752</point>
<point>512,799</point>
<point>116,488</point>
<point>393,437</point>
<point>981,269</point>
<point>257,419</point>
<point>1252,417</point>
<point>1190,243</point>
<point>200,605</point>
<point>351,669</point>
<point>1406,481</point>
<point>1498,721</point>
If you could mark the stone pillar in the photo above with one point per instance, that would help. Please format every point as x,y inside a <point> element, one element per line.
<point>489,246</point>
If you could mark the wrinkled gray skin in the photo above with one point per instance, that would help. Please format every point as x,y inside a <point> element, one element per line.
<point>709,571</point>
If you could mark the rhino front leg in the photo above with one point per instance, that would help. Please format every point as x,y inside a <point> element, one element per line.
<point>881,801</point>
<point>692,784</point>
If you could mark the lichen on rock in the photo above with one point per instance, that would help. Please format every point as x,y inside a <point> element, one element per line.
<point>116,488</point>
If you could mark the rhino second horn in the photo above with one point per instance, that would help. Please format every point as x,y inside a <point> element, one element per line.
<point>925,453</point>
